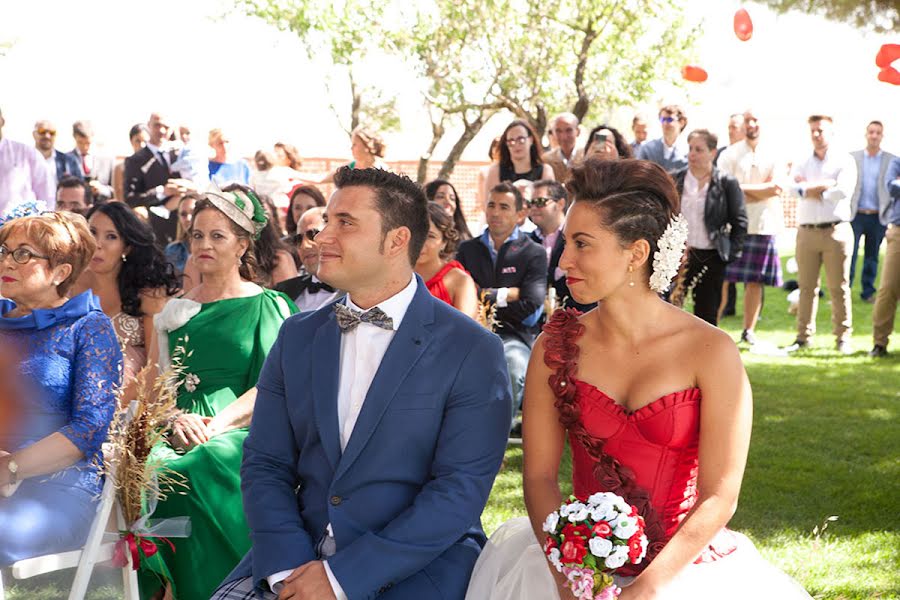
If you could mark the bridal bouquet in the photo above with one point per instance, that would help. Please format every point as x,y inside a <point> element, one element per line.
<point>587,541</point>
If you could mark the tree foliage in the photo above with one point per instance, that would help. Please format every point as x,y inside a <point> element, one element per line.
<point>877,15</point>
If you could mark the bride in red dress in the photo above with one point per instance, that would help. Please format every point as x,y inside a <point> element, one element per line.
<point>655,404</point>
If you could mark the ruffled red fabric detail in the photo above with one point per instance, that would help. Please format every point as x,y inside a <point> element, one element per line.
<point>561,355</point>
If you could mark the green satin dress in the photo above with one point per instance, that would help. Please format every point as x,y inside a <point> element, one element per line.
<point>225,345</point>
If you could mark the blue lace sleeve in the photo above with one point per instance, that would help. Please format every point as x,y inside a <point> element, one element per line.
<point>96,374</point>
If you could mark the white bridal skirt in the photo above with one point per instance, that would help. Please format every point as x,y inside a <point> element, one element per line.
<point>512,566</point>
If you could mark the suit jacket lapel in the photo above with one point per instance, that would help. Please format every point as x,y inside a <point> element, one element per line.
<point>404,351</point>
<point>326,367</point>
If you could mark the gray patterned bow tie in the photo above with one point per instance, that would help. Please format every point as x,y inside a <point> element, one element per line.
<point>348,319</point>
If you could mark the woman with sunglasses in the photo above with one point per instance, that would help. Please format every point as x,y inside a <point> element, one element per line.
<point>445,277</point>
<point>69,361</point>
<point>520,157</point>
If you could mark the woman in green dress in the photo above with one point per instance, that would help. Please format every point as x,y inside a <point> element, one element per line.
<point>222,331</point>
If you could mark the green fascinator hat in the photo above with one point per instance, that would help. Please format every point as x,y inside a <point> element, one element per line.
<point>242,206</point>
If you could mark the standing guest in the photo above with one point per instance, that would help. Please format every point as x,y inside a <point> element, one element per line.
<point>868,207</point>
<point>274,262</point>
<point>737,132</point>
<point>337,507</point>
<point>547,210</point>
<point>179,251</point>
<point>73,195</point>
<point>639,128</point>
<point>510,270</point>
<point>442,192</point>
<point>150,182</point>
<point>287,155</point>
<point>444,276</point>
<point>669,151</point>
<point>270,178</point>
<point>132,279</point>
<point>756,170</point>
<point>223,171</point>
<point>824,182</point>
<point>225,327</point>
<point>367,147</point>
<point>307,290</point>
<point>23,174</point>
<point>520,157</point>
<point>889,290</point>
<point>303,197</point>
<point>96,170</point>
<point>494,157</point>
<point>50,464</point>
<point>713,205</point>
<point>184,134</point>
<point>564,128</point>
<point>137,137</point>
<point>607,143</point>
<point>59,164</point>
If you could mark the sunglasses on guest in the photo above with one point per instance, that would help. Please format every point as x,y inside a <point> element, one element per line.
<point>667,120</point>
<point>539,202</point>
<point>309,234</point>
<point>44,131</point>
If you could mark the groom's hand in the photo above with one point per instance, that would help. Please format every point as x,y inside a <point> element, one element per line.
<point>308,582</point>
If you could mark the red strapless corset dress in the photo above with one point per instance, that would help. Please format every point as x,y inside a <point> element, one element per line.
<point>649,457</point>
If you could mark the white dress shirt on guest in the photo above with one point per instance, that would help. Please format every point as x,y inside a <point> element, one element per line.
<point>835,203</point>
<point>23,176</point>
<point>362,350</point>
<point>750,166</point>
<point>693,206</point>
<point>306,302</point>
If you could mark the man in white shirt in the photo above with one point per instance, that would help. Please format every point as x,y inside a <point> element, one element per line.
<point>23,174</point>
<point>824,183</point>
<point>379,425</point>
<point>307,290</point>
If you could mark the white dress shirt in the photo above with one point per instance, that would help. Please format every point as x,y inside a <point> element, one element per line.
<point>307,302</point>
<point>835,203</point>
<point>750,166</point>
<point>362,350</point>
<point>693,207</point>
<point>24,176</point>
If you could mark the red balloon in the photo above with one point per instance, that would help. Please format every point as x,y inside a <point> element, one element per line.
<point>694,73</point>
<point>743,25</point>
<point>886,55</point>
<point>889,75</point>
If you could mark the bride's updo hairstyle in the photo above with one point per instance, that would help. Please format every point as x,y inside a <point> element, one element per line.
<point>635,199</point>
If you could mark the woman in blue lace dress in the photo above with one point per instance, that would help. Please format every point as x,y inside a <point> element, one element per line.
<point>70,363</point>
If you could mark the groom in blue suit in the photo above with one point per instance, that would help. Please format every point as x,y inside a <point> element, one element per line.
<point>380,423</point>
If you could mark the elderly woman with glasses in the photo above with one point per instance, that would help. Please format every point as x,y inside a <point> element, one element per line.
<point>69,363</point>
<point>520,157</point>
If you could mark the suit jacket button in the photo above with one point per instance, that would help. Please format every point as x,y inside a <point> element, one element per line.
<point>335,500</point>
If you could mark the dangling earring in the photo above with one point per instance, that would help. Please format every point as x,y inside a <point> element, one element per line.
<point>124,258</point>
<point>630,276</point>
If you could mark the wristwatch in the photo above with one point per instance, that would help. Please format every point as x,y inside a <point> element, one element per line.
<point>13,468</point>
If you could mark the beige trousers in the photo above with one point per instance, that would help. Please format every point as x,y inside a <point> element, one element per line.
<point>888,291</point>
<point>832,247</point>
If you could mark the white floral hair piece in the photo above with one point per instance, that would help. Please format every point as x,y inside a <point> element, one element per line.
<point>667,259</point>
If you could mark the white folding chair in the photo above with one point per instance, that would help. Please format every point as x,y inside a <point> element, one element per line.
<point>99,547</point>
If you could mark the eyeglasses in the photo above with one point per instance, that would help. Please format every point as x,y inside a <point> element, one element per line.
<point>309,234</point>
<point>21,255</point>
<point>667,120</point>
<point>539,202</point>
<point>516,141</point>
<point>43,131</point>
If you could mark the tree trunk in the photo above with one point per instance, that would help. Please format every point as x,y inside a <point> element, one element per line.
<point>437,133</point>
<point>472,129</point>
<point>355,103</point>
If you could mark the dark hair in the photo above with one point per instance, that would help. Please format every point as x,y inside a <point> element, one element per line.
<point>292,154</point>
<point>622,147</point>
<point>555,189</point>
<point>459,219</point>
<point>535,154</point>
<point>82,128</point>
<point>494,149</point>
<point>635,199</point>
<point>445,225</point>
<point>136,129</point>
<point>711,139</point>
<point>677,112</point>
<point>247,269</point>
<point>310,190</point>
<point>262,160</point>
<point>875,122</point>
<point>817,118</point>
<point>398,199</point>
<point>505,187</point>
<point>272,208</point>
<point>72,182</point>
<point>146,266</point>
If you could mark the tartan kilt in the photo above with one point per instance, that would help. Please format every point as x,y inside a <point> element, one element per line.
<point>758,264</point>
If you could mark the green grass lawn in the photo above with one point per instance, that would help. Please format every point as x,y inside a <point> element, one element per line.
<point>825,442</point>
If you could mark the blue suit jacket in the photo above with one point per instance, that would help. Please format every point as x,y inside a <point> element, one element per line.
<point>405,497</point>
<point>655,151</point>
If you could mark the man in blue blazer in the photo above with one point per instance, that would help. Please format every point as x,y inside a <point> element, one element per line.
<point>380,423</point>
<point>669,151</point>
